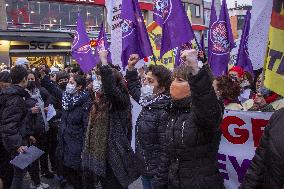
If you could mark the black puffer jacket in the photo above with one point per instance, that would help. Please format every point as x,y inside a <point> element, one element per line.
<point>13,108</point>
<point>150,126</point>
<point>192,140</point>
<point>267,167</point>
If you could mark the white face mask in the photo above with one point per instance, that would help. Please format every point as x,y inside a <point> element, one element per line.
<point>97,86</point>
<point>245,83</point>
<point>147,91</point>
<point>70,88</point>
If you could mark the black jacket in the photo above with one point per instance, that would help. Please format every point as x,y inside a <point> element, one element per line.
<point>189,158</point>
<point>55,98</point>
<point>267,167</point>
<point>13,109</point>
<point>34,122</point>
<point>120,155</point>
<point>71,133</point>
<point>150,126</point>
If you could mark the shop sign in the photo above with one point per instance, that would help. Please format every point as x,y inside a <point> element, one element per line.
<point>40,45</point>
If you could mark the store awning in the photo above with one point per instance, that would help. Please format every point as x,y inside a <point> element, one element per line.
<point>43,36</point>
<point>198,27</point>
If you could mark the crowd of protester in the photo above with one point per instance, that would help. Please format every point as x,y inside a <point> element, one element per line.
<point>87,142</point>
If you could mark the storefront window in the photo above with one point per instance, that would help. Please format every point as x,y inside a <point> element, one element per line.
<point>39,15</point>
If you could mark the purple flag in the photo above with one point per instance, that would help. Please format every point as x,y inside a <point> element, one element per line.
<point>221,40</point>
<point>243,59</point>
<point>135,39</point>
<point>102,45</point>
<point>81,49</point>
<point>177,29</point>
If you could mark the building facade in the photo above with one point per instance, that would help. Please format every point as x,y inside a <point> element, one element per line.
<point>237,18</point>
<point>41,30</point>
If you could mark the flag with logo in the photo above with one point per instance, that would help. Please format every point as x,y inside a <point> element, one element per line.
<point>102,45</point>
<point>135,39</point>
<point>243,59</point>
<point>81,48</point>
<point>155,35</point>
<point>221,40</point>
<point>274,66</point>
<point>171,16</point>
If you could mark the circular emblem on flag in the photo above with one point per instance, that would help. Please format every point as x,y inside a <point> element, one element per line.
<point>127,28</point>
<point>84,48</point>
<point>219,38</point>
<point>163,8</point>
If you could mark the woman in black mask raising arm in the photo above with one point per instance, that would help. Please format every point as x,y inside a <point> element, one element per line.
<point>193,134</point>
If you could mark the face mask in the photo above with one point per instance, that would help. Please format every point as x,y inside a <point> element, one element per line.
<point>70,88</point>
<point>147,91</point>
<point>63,85</point>
<point>97,86</point>
<point>31,85</point>
<point>234,78</point>
<point>94,77</point>
<point>245,83</point>
<point>179,90</point>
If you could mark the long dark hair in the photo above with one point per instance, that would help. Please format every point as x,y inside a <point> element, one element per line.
<point>80,80</point>
<point>103,103</point>
<point>37,76</point>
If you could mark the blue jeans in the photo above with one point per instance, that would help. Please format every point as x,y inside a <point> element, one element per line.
<point>147,182</point>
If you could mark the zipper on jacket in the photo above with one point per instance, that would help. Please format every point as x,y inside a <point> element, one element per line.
<point>182,132</point>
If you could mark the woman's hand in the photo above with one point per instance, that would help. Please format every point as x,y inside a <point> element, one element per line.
<point>35,109</point>
<point>32,140</point>
<point>189,58</point>
<point>132,61</point>
<point>103,57</point>
<point>46,109</point>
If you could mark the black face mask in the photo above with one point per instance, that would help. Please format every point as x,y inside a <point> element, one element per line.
<point>31,85</point>
<point>63,85</point>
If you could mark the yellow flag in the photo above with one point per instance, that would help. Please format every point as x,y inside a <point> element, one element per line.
<point>155,35</point>
<point>274,65</point>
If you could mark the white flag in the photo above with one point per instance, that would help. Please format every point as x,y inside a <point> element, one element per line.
<point>114,21</point>
<point>258,38</point>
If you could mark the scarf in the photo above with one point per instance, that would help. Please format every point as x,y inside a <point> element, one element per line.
<point>95,148</point>
<point>69,101</point>
<point>150,100</point>
<point>35,94</point>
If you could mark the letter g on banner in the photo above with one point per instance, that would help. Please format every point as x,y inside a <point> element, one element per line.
<point>233,120</point>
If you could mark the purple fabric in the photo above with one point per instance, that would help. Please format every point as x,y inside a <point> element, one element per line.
<point>135,39</point>
<point>221,40</point>
<point>81,49</point>
<point>243,59</point>
<point>102,44</point>
<point>177,57</point>
<point>176,26</point>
